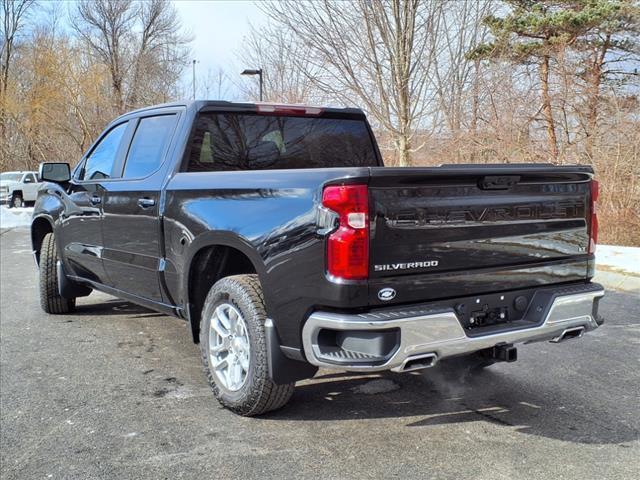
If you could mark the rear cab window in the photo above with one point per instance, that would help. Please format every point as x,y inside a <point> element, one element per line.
<point>251,141</point>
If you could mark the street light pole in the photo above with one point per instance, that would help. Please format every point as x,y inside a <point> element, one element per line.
<point>255,72</point>
<point>194,79</point>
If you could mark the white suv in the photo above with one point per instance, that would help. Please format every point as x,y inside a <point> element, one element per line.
<point>16,188</point>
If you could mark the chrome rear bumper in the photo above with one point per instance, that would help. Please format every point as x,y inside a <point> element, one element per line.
<point>438,335</point>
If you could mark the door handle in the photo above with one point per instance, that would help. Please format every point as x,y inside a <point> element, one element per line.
<point>146,202</point>
<point>95,200</point>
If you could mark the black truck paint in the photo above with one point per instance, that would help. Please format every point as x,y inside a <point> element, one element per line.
<point>438,235</point>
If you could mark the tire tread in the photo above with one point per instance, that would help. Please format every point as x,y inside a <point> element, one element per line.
<point>50,299</point>
<point>266,396</point>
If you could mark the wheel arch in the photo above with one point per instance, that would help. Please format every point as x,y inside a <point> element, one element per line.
<point>40,227</point>
<point>214,256</point>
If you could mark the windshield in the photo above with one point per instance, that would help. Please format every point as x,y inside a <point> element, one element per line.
<point>233,141</point>
<point>10,177</point>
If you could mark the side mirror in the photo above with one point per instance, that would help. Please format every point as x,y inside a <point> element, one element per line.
<point>54,172</point>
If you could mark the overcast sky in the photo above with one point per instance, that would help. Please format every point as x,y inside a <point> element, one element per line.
<point>218,28</point>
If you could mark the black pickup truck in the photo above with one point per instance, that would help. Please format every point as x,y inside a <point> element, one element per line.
<point>276,232</point>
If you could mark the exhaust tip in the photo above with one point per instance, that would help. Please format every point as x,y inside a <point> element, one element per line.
<point>419,362</point>
<point>568,334</point>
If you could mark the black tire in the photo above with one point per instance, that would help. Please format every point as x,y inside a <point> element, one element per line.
<point>16,201</point>
<point>50,299</point>
<point>259,394</point>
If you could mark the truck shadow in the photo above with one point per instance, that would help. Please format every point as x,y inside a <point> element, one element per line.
<point>114,307</point>
<point>432,399</point>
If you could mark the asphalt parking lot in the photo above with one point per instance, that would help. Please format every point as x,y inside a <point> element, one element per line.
<point>117,391</point>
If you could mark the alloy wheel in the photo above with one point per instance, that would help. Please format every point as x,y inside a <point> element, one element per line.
<point>229,347</point>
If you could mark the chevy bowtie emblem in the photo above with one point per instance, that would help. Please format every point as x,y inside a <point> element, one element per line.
<point>387,294</point>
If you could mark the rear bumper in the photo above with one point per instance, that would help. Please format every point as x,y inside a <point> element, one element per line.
<point>435,335</point>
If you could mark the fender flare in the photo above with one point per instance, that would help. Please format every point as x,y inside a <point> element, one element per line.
<point>37,218</point>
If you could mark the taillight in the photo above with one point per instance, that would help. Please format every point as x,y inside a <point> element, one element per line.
<point>348,245</point>
<point>593,228</point>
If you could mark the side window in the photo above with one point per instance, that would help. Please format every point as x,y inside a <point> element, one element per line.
<point>147,148</point>
<point>100,162</point>
<point>29,178</point>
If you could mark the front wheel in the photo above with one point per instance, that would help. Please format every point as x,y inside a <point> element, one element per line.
<point>50,299</point>
<point>234,348</point>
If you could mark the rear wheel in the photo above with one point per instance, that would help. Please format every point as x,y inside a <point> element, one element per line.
<point>234,348</point>
<point>50,299</point>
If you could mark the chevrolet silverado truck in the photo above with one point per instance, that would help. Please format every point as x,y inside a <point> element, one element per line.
<point>18,188</point>
<point>277,233</point>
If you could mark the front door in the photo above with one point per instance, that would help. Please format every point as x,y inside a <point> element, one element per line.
<point>131,226</point>
<point>29,188</point>
<point>81,226</point>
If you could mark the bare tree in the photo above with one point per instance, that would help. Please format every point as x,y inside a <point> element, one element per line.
<point>287,69</point>
<point>377,52</point>
<point>457,75</point>
<point>216,84</point>
<point>160,45</point>
<point>140,42</point>
<point>107,27</point>
<point>14,13</point>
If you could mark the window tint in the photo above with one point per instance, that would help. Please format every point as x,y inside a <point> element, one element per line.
<point>100,162</point>
<point>29,178</point>
<point>148,145</point>
<point>230,141</point>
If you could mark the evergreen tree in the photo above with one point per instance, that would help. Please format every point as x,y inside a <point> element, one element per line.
<point>534,31</point>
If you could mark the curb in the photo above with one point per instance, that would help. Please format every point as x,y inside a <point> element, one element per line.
<point>617,281</point>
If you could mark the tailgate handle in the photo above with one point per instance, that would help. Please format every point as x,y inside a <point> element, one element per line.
<point>502,182</point>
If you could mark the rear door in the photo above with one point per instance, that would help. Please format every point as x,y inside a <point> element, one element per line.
<point>445,232</point>
<point>131,228</point>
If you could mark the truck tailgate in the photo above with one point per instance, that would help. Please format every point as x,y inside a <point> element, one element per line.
<point>446,231</point>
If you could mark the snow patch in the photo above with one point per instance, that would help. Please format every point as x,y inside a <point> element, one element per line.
<point>15,217</point>
<point>625,259</point>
